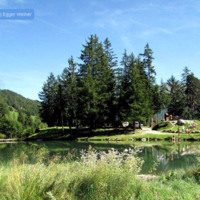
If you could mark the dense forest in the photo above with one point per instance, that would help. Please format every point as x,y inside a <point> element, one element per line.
<point>18,115</point>
<point>99,91</point>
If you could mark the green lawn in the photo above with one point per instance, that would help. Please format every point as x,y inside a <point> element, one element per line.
<point>148,136</point>
<point>73,134</point>
<point>56,133</point>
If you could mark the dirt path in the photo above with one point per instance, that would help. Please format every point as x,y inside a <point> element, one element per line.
<point>149,130</point>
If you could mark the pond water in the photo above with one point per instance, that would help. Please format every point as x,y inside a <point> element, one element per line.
<point>158,157</point>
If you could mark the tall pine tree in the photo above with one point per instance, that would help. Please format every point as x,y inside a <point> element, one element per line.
<point>70,93</point>
<point>48,97</point>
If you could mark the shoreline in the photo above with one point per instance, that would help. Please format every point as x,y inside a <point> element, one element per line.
<point>10,140</point>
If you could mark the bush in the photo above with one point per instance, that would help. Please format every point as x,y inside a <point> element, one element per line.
<point>2,136</point>
<point>162,126</point>
<point>11,128</point>
<point>33,127</point>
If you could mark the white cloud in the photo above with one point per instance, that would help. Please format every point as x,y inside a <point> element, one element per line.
<point>28,78</point>
<point>189,25</point>
<point>164,30</point>
<point>156,31</point>
<point>119,18</point>
<point>53,26</point>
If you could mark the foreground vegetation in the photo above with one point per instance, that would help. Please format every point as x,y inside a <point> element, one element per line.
<point>96,176</point>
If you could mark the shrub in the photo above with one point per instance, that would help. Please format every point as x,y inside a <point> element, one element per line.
<point>2,136</point>
<point>162,126</point>
<point>10,128</point>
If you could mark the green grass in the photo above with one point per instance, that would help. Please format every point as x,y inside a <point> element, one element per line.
<point>197,122</point>
<point>56,133</point>
<point>2,136</point>
<point>148,136</point>
<point>105,135</point>
<point>50,133</point>
<point>96,176</point>
<point>195,130</point>
<point>168,136</point>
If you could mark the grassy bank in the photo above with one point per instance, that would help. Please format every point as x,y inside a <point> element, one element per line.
<point>143,137</point>
<point>56,133</point>
<point>172,126</point>
<point>111,134</point>
<point>112,176</point>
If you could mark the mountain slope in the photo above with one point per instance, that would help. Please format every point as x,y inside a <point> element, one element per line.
<point>19,103</point>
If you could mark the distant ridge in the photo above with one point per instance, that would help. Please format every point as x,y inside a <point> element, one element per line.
<point>19,103</point>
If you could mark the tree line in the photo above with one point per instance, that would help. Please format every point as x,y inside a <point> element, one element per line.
<point>184,95</point>
<point>98,91</point>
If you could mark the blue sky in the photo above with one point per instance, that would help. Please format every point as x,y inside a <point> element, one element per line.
<point>30,50</point>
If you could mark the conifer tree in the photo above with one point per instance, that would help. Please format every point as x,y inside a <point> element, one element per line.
<point>112,59</point>
<point>123,85</point>
<point>186,101</point>
<point>59,105</point>
<point>193,95</point>
<point>164,95</point>
<point>176,92</point>
<point>138,102</point>
<point>97,84</point>
<point>147,57</point>
<point>133,103</point>
<point>184,75</point>
<point>70,94</point>
<point>88,97</point>
<point>152,90</point>
<point>48,97</point>
<point>110,82</point>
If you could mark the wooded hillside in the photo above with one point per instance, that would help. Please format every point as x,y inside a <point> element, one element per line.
<point>19,103</point>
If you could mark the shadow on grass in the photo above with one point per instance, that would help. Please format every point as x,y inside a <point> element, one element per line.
<point>73,134</point>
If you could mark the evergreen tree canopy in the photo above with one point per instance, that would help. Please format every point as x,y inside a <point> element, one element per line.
<point>48,100</point>
<point>96,92</point>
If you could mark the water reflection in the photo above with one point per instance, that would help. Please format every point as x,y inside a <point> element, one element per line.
<point>158,157</point>
<point>169,157</point>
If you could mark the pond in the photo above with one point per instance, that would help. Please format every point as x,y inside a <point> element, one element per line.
<point>158,157</point>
